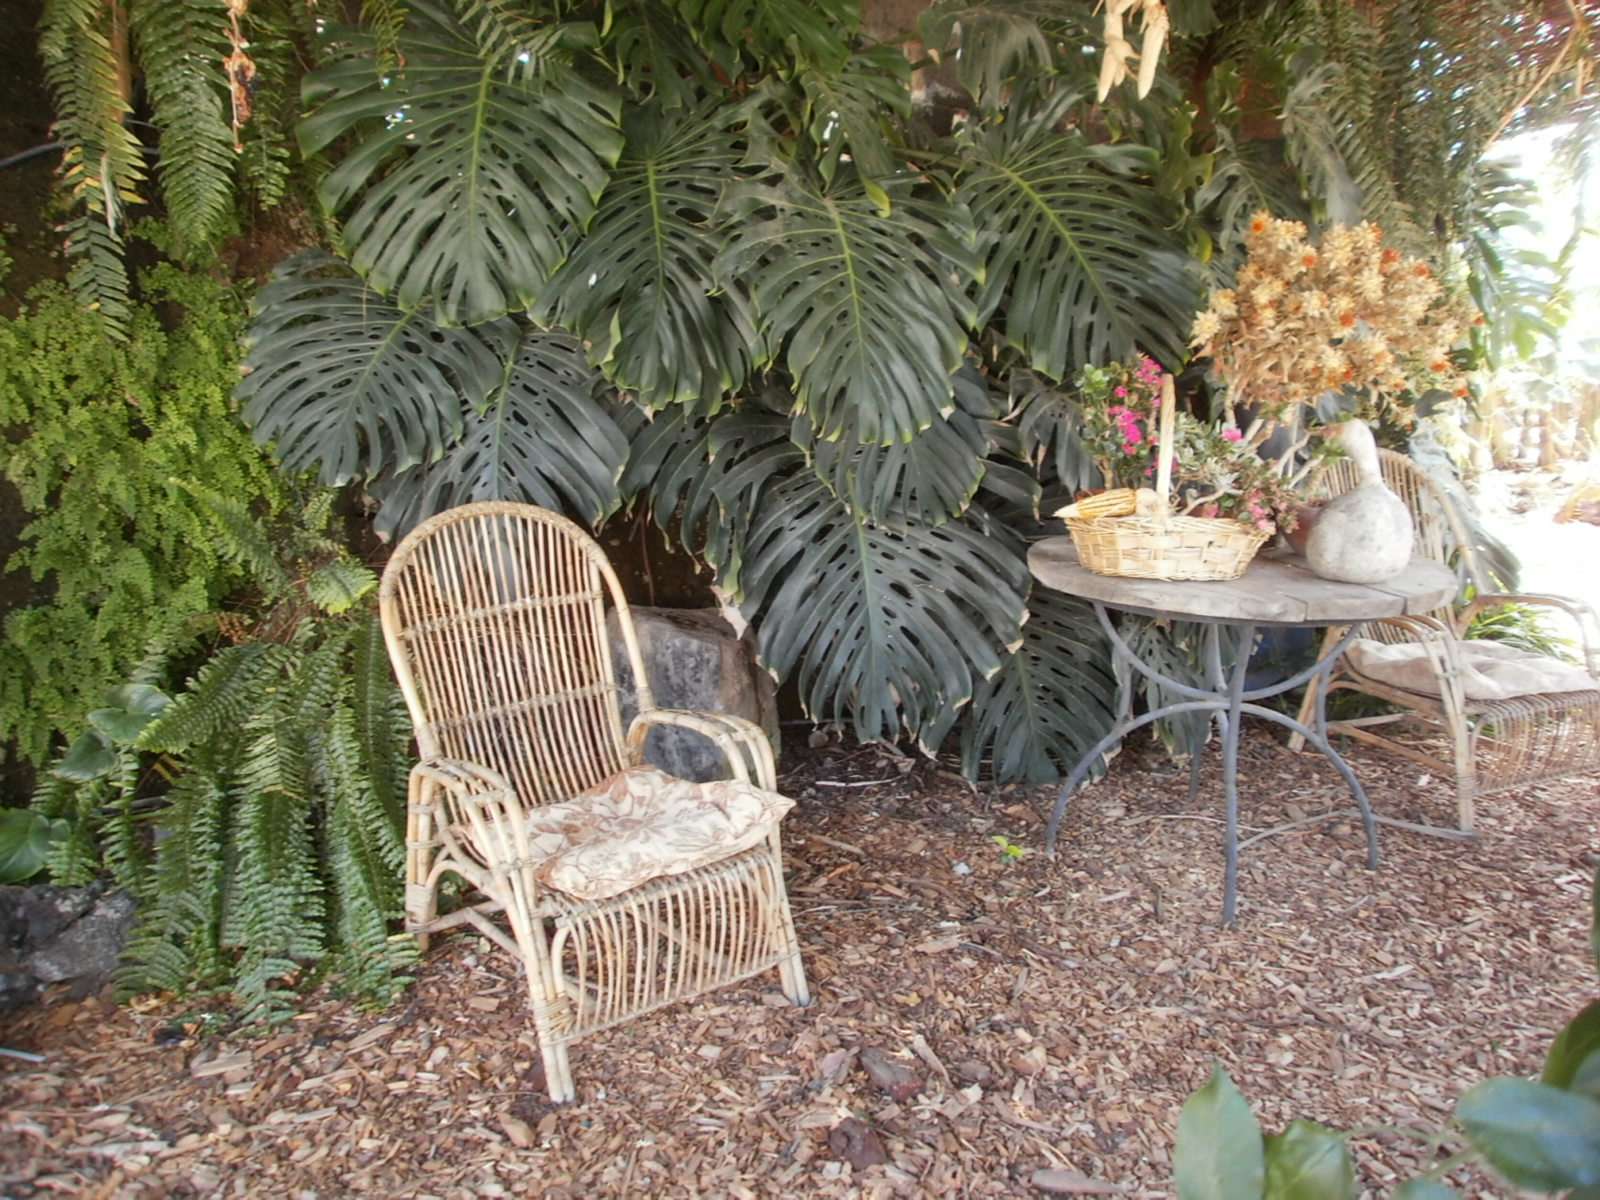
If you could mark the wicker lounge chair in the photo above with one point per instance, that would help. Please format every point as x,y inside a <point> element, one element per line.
<point>625,889</point>
<point>1485,745</point>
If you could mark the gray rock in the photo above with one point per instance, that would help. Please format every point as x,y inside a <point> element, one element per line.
<point>694,660</point>
<point>90,948</point>
<point>31,916</point>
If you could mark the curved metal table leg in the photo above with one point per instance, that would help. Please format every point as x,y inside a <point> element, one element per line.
<point>1228,703</point>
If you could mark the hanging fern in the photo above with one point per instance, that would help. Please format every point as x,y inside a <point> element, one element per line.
<point>84,44</point>
<point>180,44</point>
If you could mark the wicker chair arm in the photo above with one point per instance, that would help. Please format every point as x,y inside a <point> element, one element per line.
<point>1583,616</point>
<point>742,742</point>
<point>482,808</point>
<point>1439,642</point>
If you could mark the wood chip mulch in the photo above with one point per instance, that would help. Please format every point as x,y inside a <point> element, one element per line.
<point>982,1025</point>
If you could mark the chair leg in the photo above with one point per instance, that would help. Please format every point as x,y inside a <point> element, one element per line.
<point>791,971</point>
<point>1315,690</point>
<point>422,886</point>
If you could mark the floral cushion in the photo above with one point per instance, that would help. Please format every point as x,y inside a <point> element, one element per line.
<point>641,824</point>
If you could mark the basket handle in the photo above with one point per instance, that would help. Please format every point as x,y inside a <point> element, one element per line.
<point>1164,455</point>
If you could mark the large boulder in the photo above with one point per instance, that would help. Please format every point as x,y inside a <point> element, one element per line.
<point>59,935</point>
<point>694,660</point>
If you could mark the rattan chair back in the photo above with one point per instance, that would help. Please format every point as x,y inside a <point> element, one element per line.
<point>495,617</point>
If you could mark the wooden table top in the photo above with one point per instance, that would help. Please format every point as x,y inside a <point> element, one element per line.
<point>1273,591</point>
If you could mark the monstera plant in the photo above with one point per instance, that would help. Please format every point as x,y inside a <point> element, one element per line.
<point>690,258</point>
<point>707,256</point>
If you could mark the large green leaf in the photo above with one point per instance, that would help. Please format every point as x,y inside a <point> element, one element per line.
<point>1247,175</point>
<point>929,479</point>
<point>1309,1162</point>
<point>887,621</point>
<point>846,110</point>
<point>639,289</point>
<point>707,477</point>
<point>808,31</point>
<point>467,181</point>
<point>870,309</point>
<point>1081,260</point>
<point>994,42</point>
<point>1050,702</point>
<point>25,839</point>
<point>1050,430</point>
<point>342,380</point>
<point>654,54</point>
<point>1218,1154</point>
<point>544,436</point>
<point>1573,1061</point>
<point>1535,1135</point>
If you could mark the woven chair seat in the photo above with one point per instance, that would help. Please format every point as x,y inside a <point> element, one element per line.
<point>642,824</point>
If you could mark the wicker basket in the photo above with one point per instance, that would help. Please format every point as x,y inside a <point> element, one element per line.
<point>1165,546</point>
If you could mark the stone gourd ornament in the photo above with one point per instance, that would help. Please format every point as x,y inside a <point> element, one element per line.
<point>1363,536</point>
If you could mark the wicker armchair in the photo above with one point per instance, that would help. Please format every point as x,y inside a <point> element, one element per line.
<point>495,619</point>
<point>1485,745</point>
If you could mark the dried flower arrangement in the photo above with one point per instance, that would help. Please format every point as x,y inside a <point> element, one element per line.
<point>1215,473</point>
<point>1350,312</point>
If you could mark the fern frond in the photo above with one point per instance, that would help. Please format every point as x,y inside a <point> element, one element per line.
<point>276,898</point>
<point>366,854</point>
<point>384,19</point>
<point>509,34</point>
<point>241,537</point>
<point>83,44</point>
<point>265,158</point>
<point>223,695</point>
<point>382,725</point>
<point>176,941</point>
<point>181,46</point>
<point>338,586</point>
<point>98,276</point>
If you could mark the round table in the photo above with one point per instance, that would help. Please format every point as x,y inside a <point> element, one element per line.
<point>1279,592</point>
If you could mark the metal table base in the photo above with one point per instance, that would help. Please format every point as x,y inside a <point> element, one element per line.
<point>1228,702</point>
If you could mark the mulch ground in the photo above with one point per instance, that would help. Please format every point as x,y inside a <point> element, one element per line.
<point>1030,1026</point>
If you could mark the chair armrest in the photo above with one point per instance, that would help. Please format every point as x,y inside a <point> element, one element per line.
<point>1438,642</point>
<point>481,807</point>
<point>742,742</point>
<point>1583,616</point>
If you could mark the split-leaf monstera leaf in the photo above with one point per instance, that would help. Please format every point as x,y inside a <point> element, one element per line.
<point>469,179</point>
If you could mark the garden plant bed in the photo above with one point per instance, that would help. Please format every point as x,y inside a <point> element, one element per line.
<point>1041,1022</point>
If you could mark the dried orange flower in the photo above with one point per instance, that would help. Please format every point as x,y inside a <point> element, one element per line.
<point>1304,318</point>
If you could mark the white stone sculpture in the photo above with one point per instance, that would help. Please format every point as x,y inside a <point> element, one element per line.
<point>1363,536</point>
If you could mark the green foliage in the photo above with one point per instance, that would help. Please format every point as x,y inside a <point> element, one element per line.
<point>122,558</point>
<point>273,782</point>
<point>1543,1137</point>
<point>179,42</point>
<point>25,840</point>
<point>715,258</point>
<point>514,164</point>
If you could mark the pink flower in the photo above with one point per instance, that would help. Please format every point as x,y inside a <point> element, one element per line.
<point>1232,435</point>
<point>1266,526</point>
<point>1116,410</point>
<point>1130,448</point>
<point>1132,436</point>
<point>1149,471</point>
<point>1120,392</point>
<point>1148,370</point>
